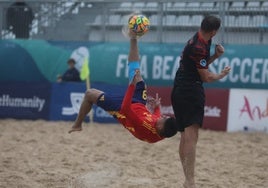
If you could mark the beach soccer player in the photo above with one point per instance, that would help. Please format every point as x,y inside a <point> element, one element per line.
<point>139,115</point>
<point>188,96</point>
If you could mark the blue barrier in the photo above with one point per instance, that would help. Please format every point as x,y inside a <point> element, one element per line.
<point>25,100</point>
<point>100,115</point>
<point>66,99</point>
<point>56,101</point>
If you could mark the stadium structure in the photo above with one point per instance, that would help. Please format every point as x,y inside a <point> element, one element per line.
<point>243,22</point>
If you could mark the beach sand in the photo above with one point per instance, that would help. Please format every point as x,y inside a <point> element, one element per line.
<point>41,154</point>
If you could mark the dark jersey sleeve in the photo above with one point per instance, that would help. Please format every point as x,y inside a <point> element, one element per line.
<point>199,56</point>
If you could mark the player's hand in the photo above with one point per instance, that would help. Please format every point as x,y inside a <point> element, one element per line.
<point>226,70</point>
<point>219,50</point>
<point>157,100</point>
<point>152,103</point>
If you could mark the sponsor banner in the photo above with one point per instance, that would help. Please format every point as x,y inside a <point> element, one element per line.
<point>62,101</point>
<point>42,60</point>
<point>165,94</point>
<point>100,115</point>
<point>248,110</point>
<point>215,117</point>
<point>25,100</point>
<point>245,72</point>
<point>216,109</point>
<point>159,63</point>
<point>66,99</point>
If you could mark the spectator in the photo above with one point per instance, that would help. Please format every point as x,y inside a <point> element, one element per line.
<point>19,18</point>
<point>71,75</point>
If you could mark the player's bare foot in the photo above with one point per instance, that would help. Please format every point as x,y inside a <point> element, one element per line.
<point>128,33</point>
<point>75,129</point>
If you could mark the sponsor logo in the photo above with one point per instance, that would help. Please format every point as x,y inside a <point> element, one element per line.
<point>19,102</point>
<point>76,101</point>
<point>253,112</point>
<point>247,71</point>
<point>212,111</point>
<point>203,62</point>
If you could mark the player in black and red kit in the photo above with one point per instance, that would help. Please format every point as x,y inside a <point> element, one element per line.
<point>188,98</point>
<point>132,109</point>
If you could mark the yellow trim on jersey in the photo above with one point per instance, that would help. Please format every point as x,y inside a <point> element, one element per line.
<point>117,114</point>
<point>149,127</point>
<point>130,128</point>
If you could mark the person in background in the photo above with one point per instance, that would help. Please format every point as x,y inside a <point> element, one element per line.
<point>19,19</point>
<point>71,75</point>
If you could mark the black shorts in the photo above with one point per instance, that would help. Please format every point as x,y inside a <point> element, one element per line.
<point>188,100</point>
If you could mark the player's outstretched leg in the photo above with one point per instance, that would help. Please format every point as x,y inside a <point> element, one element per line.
<point>90,98</point>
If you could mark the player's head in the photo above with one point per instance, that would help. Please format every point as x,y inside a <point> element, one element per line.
<point>210,24</point>
<point>167,127</point>
<point>71,63</point>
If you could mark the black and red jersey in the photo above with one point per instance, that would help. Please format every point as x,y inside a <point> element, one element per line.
<point>194,56</point>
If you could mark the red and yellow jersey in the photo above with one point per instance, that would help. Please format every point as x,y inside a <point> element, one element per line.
<point>138,120</point>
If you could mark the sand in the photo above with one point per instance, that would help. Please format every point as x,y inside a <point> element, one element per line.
<point>41,154</point>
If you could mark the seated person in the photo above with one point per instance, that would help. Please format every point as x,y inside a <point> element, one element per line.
<point>71,75</point>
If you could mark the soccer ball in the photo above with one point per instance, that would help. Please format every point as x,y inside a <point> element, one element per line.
<point>139,24</point>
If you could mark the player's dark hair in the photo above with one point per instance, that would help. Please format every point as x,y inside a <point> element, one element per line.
<point>210,23</point>
<point>169,129</point>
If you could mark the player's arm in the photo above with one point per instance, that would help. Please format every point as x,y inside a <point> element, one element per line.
<point>130,91</point>
<point>207,76</point>
<point>202,64</point>
<point>219,50</point>
<point>128,98</point>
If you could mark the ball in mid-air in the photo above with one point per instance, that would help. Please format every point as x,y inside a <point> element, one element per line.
<point>139,24</point>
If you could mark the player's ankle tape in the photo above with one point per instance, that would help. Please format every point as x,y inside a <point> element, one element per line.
<point>132,67</point>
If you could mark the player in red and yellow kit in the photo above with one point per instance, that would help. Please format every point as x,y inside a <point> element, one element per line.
<point>139,115</point>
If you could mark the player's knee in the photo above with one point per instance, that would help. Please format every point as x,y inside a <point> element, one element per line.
<point>89,95</point>
<point>92,95</point>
